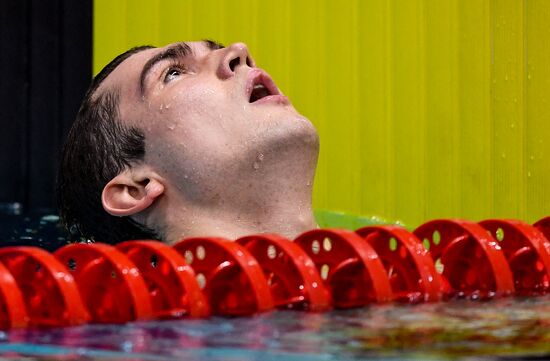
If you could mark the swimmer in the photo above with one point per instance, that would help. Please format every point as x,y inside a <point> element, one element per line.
<point>192,139</point>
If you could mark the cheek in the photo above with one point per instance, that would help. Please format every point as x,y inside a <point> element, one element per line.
<point>197,123</point>
<point>182,107</point>
<point>189,101</point>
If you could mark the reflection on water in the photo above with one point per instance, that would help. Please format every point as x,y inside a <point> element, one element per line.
<point>466,330</point>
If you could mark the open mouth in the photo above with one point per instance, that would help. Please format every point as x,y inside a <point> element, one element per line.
<point>260,85</point>
<point>258,92</point>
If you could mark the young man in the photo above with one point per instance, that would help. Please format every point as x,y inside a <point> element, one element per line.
<point>191,139</point>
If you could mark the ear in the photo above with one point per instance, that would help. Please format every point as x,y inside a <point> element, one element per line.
<point>131,192</point>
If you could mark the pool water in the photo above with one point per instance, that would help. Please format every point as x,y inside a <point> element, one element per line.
<point>501,329</point>
<point>505,329</point>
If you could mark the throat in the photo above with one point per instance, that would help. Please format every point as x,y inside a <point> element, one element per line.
<point>285,211</point>
<point>269,191</point>
<point>234,226</point>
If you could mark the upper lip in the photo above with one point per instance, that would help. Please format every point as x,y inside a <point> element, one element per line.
<point>258,76</point>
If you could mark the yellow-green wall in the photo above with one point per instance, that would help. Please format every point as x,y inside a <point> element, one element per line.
<point>425,108</point>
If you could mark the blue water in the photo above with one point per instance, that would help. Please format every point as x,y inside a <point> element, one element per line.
<point>505,329</point>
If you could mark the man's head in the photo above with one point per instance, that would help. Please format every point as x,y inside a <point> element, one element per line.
<point>190,130</point>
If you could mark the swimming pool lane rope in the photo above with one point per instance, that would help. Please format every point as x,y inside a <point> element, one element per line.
<point>321,269</point>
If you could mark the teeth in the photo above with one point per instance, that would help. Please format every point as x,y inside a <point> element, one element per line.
<point>259,91</point>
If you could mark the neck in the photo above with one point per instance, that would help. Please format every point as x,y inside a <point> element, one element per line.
<point>284,219</point>
<point>272,194</point>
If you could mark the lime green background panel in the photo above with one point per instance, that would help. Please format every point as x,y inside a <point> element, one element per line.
<point>425,108</point>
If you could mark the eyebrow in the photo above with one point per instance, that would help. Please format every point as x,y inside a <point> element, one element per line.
<point>176,51</point>
<point>212,45</point>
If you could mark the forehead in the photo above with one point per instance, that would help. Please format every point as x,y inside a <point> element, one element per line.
<point>126,76</point>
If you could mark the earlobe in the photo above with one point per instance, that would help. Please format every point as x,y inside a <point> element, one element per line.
<point>127,194</point>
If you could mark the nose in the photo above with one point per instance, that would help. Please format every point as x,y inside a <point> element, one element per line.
<point>234,56</point>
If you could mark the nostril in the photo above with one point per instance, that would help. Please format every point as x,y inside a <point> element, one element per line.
<point>233,63</point>
<point>249,62</point>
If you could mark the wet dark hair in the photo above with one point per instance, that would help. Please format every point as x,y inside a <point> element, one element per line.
<point>98,148</point>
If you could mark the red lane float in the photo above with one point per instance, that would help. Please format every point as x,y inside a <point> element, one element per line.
<point>110,284</point>
<point>543,225</point>
<point>351,270</point>
<point>13,313</point>
<point>527,252</point>
<point>290,273</point>
<point>49,291</point>
<point>408,264</point>
<point>322,268</point>
<point>171,282</point>
<point>233,281</point>
<point>469,260</point>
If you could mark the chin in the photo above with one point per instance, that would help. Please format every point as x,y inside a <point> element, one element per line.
<point>305,129</point>
<point>293,131</point>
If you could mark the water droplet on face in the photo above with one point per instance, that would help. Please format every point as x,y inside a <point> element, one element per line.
<point>259,159</point>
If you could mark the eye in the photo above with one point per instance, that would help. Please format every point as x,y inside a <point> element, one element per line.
<point>173,73</point>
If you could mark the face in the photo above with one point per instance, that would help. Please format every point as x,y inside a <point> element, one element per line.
<point>208,113</point>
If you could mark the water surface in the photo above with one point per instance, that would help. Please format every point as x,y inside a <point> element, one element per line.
<point>505,329</point>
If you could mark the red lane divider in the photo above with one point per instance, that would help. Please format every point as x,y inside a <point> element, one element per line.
<point>49,292</point>
<point>12,304</point>
<point>469,259</point>
<point>110,284</point>
<point>351,270</point>
<point>320,269</point>
<point>171,282</point>
<point>527,252</point>
<point>291,274</point>
<point>233,281</point>
<point>543,225</point>
<point>408,264</point>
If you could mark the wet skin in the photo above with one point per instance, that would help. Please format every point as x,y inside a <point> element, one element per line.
<point>211,148</point>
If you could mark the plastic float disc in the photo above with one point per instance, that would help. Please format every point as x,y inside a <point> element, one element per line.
<point>410,268</point>
<point>543,225</point>
<point>172,285</point>
<point>527,252</point>
<point>12,306</point>
<point>350,268</point>
<point>233,281</point>
<point>291,274</point>
<point>470,261</point>
<point>49,291</point>
<point>110,284</point>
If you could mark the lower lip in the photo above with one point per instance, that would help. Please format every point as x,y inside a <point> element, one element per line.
<point>273,99</point>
